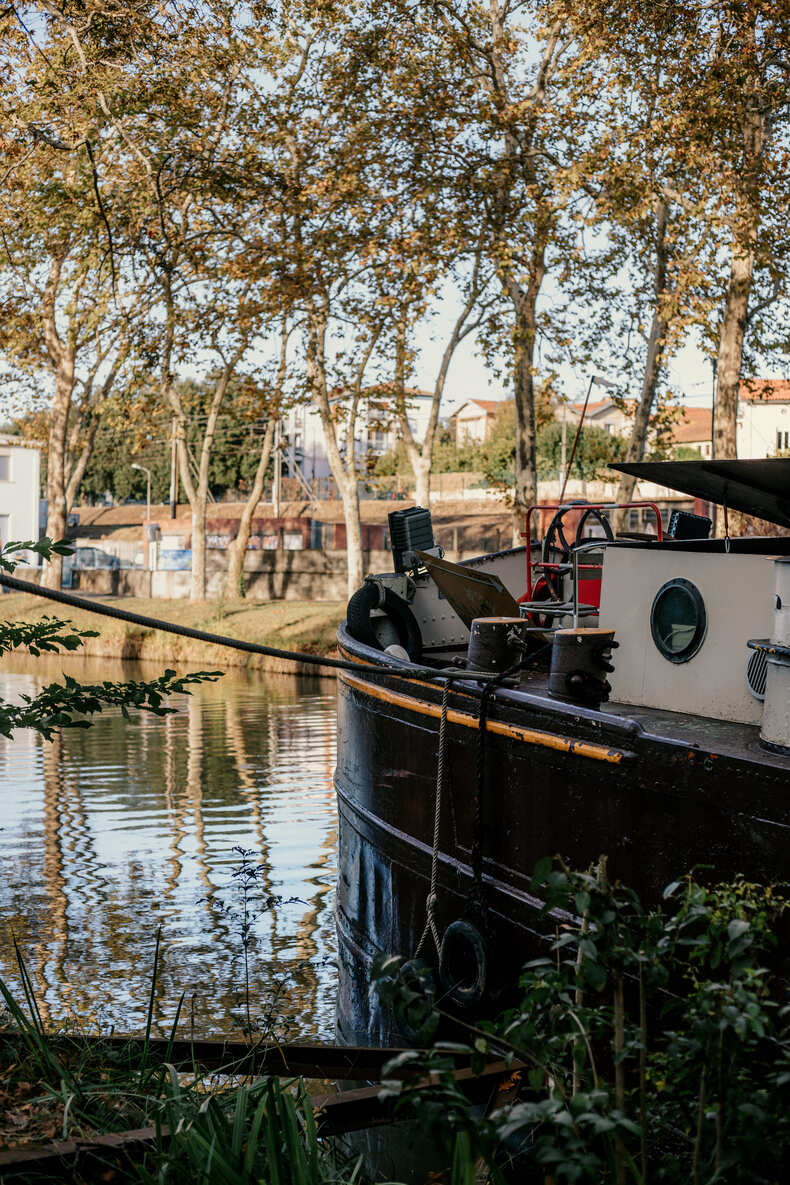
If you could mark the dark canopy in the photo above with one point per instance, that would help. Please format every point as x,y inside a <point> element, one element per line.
<point>761,488</point>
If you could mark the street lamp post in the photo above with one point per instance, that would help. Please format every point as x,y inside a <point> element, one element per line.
<point>143,469</point>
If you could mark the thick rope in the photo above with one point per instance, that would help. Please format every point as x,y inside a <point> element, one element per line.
<point>185,631</point>
<point>433,895</point>
<point>477,902</point>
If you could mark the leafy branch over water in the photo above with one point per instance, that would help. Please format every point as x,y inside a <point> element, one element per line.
<point>66,704</point>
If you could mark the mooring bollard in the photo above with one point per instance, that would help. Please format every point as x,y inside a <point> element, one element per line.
<point>580,661</point>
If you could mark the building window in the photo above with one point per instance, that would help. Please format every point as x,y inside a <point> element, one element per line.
<point>5,466</point>
<point>377,440</point>
<point>782,442</point>
<point>4,529</point>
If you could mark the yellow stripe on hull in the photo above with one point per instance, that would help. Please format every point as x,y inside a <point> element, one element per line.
<point>528,736</point>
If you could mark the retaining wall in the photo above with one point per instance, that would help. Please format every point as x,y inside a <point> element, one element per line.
<point>268,576</point>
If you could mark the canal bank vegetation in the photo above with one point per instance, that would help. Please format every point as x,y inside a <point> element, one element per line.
<point>648,1045</point>
<point>290,625</point>
<point>129,1110</point>
<point>655,1042</point>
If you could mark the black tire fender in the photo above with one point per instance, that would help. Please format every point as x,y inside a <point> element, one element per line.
<point>358,612</point>
<point>463,964</point>
<point>360,625</point>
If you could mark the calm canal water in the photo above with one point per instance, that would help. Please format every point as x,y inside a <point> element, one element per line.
<point>108,833</point>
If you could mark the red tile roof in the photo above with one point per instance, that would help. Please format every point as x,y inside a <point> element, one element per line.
<point>486,404</point>
<point>693,425</point>
<point>591,407</point>
<point>627,406</point>
<point>764,390</point>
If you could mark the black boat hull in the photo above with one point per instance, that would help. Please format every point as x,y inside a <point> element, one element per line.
<point>557,780</point>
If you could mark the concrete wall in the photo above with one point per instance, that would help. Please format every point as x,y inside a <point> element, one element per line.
<point>114,582</point>
<point>269,576</point>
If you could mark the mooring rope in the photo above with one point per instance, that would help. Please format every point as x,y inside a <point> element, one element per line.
<point>185,631</point>
<point>433,894</point>
<point>477,903</point>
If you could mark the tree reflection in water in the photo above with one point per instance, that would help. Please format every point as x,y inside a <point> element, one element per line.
<point>109,832</point>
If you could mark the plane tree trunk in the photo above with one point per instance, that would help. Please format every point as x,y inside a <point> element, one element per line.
<point>746,224</point>
<point>344,470</point>
<point>637,443</point>
<point>234,581</point>
<point>524,301</point>
<point>61,354</point>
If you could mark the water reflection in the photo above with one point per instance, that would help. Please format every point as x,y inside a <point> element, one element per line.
<point>108,833</point>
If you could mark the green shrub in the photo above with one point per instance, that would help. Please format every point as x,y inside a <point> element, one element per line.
<point>655,1042</point>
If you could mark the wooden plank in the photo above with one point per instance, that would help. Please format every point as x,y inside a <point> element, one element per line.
<point>352,1110</point>
<point>355,1110</point>
<point>308,1060</point>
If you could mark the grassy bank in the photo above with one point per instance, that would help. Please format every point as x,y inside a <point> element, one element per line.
<point>289,625</point>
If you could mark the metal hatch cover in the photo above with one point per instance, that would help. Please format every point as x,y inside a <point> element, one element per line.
<point>760,488</point>
<point>471,593</point>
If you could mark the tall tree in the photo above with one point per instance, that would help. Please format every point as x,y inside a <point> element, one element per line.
<point>70,298</point>
<point>514,61</point>
<point>185,213</point>
<point>65,332</point>
<point>324,201</point>
<point>269,402</point>
<point>473,312</point>
<point>722,135</point>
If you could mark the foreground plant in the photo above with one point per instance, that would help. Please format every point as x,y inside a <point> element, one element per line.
<point>656,1042</point>
<point>193,1126</point>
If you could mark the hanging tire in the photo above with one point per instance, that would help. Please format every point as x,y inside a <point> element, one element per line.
<point>362,625</point>
<point>463,964</point>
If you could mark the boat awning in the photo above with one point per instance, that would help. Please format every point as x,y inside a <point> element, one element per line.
<point>761,488</point>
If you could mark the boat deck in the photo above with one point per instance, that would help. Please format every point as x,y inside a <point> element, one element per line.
<point>698,732</point>
<point>702,733</point>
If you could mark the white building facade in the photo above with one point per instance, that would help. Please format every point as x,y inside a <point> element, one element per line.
<point>473,421</point>
<point>763,418</point>
<point>377,433</point>
<point>20,495</point>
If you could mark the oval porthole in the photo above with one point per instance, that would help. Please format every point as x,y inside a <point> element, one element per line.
<point>678,620</point>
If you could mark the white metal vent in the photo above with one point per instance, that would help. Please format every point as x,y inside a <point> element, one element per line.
<point>756,670</point>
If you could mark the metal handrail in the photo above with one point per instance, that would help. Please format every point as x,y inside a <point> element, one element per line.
<point>546,565</point>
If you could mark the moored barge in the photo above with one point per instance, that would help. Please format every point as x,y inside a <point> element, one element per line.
<point>678,758</point>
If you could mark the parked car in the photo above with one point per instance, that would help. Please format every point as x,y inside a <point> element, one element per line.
<point>92,557</point>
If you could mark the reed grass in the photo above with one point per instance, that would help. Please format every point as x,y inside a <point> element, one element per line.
<point>212,1129</point>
